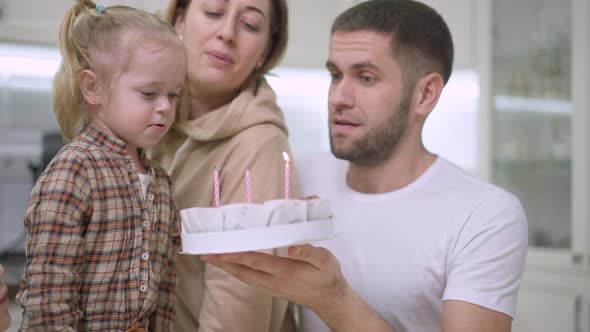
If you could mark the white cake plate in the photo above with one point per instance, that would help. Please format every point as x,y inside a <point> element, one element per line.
<point>257,238</point>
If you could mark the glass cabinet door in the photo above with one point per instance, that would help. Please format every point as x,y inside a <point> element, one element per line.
<point>532,113</point>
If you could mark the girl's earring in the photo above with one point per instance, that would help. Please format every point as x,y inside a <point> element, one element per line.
<point>180,37</point>
<point>92,104</point>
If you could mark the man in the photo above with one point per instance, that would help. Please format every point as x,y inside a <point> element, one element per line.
<point>421,246</point>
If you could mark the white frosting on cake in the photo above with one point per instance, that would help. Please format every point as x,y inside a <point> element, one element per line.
<point>318,209</point>
<point>284,212</point>
<point>243,216</point>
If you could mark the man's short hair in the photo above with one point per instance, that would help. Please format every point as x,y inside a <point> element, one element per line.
<point>420,38</point>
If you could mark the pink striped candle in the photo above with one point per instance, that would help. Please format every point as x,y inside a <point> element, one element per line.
<point>216,180</point>
<point>287,174</point>
<point>248,186</point>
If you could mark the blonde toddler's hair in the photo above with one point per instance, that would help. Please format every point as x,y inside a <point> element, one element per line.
<point>95,40</point>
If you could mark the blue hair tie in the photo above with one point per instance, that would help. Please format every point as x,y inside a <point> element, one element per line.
<point>99,8</point>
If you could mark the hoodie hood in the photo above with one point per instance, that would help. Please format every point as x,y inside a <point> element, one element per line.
<point>250,108</point>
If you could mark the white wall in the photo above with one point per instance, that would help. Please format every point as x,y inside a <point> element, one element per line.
<point>450,131</point>
<point>310,22</point>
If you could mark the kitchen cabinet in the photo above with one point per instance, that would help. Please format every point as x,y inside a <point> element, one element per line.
<point>38,21</point>
<point>552,301</point>
<point>533,61</point>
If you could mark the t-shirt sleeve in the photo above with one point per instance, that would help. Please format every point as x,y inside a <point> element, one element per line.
<point>486,264</point>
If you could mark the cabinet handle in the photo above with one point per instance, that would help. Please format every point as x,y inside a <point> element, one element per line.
<point>577,258</point>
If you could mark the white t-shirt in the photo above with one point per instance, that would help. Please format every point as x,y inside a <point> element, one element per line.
<point>144,179</point>
<point>446,236</point>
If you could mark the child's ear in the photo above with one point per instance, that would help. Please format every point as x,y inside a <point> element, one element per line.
<point>90,87</point>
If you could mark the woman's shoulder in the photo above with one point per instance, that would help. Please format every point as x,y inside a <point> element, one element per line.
<point>258,112</point>
<point>269,128</point>
<point>263,135</point>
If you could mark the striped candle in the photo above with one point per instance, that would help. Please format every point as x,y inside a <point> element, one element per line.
<point>248,186</point>
<point>216,183</point>
<point>287,174</point>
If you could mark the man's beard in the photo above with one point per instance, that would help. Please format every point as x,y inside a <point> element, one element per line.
<point>379,143</point>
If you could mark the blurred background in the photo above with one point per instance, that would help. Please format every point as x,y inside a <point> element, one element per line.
<point>515,112</point>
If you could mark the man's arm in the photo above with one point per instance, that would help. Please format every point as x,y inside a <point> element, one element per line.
<point>310,276</point>
<point>459,316</point>
<point>485,267</point>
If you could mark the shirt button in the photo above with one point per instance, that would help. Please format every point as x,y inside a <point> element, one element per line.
<point>146,224</point>
<point>151,197</point>
<point>143,288</point>
<point>145,256</point>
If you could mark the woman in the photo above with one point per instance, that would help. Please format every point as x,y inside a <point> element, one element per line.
<point>229,120</point>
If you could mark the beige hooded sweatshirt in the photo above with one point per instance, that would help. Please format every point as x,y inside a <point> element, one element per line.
<point>248,132</point>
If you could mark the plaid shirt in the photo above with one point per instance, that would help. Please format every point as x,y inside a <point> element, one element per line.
<point>99,256</point>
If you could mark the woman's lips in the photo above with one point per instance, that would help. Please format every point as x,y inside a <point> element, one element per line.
<point>220,57</point>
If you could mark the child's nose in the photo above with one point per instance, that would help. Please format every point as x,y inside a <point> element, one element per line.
<point>164,105</point>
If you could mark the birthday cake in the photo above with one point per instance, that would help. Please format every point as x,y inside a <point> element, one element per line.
<point>246,227</point>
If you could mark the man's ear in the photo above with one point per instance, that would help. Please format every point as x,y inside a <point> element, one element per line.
<point>426,93</point>
<point>90,87</point>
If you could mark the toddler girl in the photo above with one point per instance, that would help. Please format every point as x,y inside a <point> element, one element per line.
<point>101,222</point>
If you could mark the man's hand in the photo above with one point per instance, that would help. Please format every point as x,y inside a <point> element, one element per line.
<point>309,276</point>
